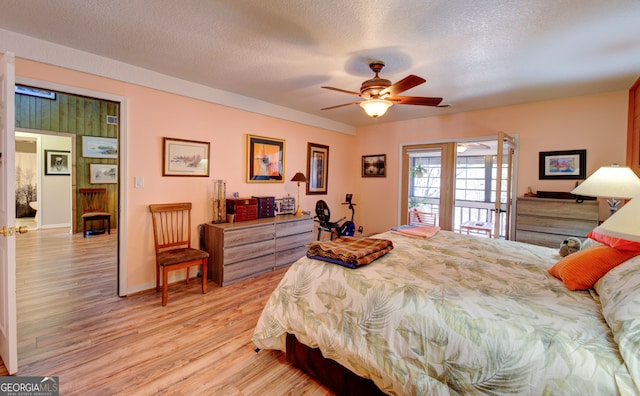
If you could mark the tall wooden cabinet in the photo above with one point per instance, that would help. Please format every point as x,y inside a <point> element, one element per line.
<point>547,221</point>
<point>244,249</point>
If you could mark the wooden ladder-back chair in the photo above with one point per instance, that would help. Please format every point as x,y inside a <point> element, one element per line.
<point>172,237</point>
<point>420,218</point>
<point>94,207</point>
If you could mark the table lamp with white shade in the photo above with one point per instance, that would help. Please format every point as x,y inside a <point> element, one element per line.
<point>624,224</point>
<point>614,182</point>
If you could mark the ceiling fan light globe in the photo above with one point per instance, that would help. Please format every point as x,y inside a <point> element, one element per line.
<point>375,107</point>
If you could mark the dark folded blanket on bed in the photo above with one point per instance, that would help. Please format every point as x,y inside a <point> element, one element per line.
<point>351,251</point>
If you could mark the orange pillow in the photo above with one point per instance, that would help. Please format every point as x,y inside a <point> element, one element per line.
<point>618,243</point>
<point>581,270</point>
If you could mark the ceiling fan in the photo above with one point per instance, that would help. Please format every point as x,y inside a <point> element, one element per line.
<point>378,94</point>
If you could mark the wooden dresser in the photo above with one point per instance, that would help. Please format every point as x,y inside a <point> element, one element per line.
<point>547,222</point>
<point>243,249</point>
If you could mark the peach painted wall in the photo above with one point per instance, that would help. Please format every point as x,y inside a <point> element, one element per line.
<point>597,123</point>
<point>153,114</point>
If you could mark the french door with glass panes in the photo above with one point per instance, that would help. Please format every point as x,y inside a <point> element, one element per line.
<point>460,182</point>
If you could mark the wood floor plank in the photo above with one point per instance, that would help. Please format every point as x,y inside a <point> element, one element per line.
<point>71,324</point>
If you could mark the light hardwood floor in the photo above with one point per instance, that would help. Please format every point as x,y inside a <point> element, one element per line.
<point>71,324</point>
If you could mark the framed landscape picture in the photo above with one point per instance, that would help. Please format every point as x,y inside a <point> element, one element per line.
<point>374,165</point>
<point>185,158</point>
<point>103,173</point>
<point>99,147</point>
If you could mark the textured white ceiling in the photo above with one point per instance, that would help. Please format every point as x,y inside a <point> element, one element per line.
<point>476,54</point>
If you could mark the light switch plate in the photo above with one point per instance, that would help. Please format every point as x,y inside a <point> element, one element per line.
<point>139,182</point>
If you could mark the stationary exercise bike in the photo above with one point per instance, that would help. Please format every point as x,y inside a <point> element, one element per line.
<point>323,216</point>
<point>348,228</point>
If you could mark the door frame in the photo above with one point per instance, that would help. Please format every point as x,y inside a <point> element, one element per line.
<point>447,180</point>
<point>8,310</point>
<point>449,149</point>
<point>72,198</point>
<point>38,139</point>
<point>508,143</point>
<point>122,161</point>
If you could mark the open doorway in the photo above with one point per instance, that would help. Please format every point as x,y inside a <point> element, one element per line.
<point>466,184</point>
<point>76,100</point>
<point>82,112</point>
<point>26,160</point>
<point>44,198</point>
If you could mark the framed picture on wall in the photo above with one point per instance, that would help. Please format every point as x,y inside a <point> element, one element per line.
<point>317,168</point>
<point>569,164</point>
<point>57,163</point>
<point>265,159</point>
<point>103,173</point>
<point>99,147</point>
<point>185,158</point>
<point>374,165</point>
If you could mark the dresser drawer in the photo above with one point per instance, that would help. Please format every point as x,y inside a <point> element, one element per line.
<point>556,225</point>
<point>247,268</point>
<point>541,239</point>
<point>294,227</point>
<point>558,208</point>
<point>243,236</point>
<point>291,241</point>
<point>290,256</point>
<point>234,254</point>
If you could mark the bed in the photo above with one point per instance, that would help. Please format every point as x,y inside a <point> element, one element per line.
<point>462,315</point>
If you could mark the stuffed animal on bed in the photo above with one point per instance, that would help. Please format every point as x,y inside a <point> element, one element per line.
<point>570,245</point>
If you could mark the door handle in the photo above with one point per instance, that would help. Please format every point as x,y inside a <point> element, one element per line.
<point>12,230</point>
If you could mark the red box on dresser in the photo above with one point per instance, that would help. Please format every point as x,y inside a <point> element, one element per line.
<point>243,209</point>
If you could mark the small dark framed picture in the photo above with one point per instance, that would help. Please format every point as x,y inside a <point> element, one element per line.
<point>569,164</point>
<point>374,165</point>
<point>57,162</point>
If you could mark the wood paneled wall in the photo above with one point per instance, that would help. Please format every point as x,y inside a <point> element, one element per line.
<point>77,115</point>
<point>633,138</point>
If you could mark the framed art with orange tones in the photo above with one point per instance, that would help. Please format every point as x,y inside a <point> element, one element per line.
<point>265,159</point>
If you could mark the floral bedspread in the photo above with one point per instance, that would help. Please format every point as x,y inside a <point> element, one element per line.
<point>451,315</point>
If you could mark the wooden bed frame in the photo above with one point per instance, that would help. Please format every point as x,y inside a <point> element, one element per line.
<point>336,377</point>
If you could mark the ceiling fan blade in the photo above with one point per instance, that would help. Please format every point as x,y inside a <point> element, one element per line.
<point>406,83</point>
<point>341,105</point>
<point>342,90</point>
<point>415,100</point>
